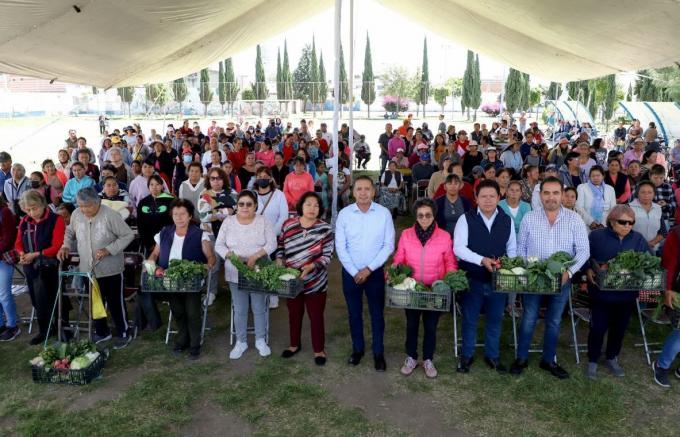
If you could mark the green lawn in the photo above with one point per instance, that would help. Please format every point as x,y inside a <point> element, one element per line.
<point>146,391</point>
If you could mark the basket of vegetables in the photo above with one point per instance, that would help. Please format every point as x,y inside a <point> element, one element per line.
<point>672,313</point>
<point>534,276</point>
<point>631,271</point>
<point>402,291</point>
<point>267,277</point>
<point>181,276</point>
<point>74,363</point>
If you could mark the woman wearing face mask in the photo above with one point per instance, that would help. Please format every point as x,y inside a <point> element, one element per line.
<point>37,182</point>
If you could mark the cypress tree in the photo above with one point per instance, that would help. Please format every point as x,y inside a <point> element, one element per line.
<point>476,98</point>
<point>179,90</point>
<point>424,79</point>
<point>554,91</point>
<point>260,88</point>
<point>629,96</point>
<point>286,76</point>
<point>610,98</point>
<point>344,85</point>
<point>221,88</point>
<point>127,94</point>
<point>367,79</point>
<point>468,84</point>
<point>526,90</point>
<point>205,94</point>
<point>323,84</point>
<point>302,76</point>
<point>278,73</point>
<point>230,85</point>
<point>314,78</point>
<point>513,90</point>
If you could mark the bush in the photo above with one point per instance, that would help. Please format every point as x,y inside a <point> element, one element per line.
<point>390,104</point>
<point>492,109</point>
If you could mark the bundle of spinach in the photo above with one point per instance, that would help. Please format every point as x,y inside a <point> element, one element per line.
<point>509,263</point>
<point>542,274</point>
<point>397,274</point>
<point>660,300</point>
<point>630,268</point>
<point>457,281</point>
<point>266,273</point>
<point>183,270</point>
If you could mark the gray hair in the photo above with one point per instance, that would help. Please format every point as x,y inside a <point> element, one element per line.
<point>619,211</point>
<point>19,166</point>
<point>88,196</point>
<point>32,198</point>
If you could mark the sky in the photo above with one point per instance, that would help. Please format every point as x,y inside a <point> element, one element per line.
<point>394,40</point>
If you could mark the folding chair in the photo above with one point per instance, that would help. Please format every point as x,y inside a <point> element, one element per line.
<point>251,328</point>
<point>646,303</point>
<point>421,188</point>
<point>20,287</point>
<point>580,312</point>
<point>204,306</point>
<point>131,276</point>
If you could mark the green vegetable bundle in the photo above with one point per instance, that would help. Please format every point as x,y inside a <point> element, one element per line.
<point>509,263</point>
<point>637,270</point>
<point>456,280</point>
<point>541,275</point>
<point>70,351</point>
<point>183,270</point>
<point>266,273</point>
<point>674,312</point>
<point>397,274</point>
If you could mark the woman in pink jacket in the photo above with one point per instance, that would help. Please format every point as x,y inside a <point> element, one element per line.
<point>428,251</point>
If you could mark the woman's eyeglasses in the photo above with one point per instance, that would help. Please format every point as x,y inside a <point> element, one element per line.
<point>215,178</point>
<point>626,222</point>
<point>245,204</point>
<point>424,216</point>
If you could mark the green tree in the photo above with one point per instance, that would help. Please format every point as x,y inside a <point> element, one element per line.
<point>440,95</point>
<point>526,90</point>
<point>667,80</point>
<point>610,99</point>
<point>554,91</point>
<point>150,96</point>
<point>260,86</point>
<point>629,95</point>
<point>535,98</point>
<point>468,84</point>
<point>476,97</point>
<point>397,83</point>
<point>231,88</point>
<point>455,87</point>
<point>127,94</point>
<point>592,97</point>
<point>302,76</point>
<point>179,91</point>
<point>323,84</point>
<point>344,85</point>
<point>278,75</point>
<point>314,78</point>
<point>424,85</point>
<point>367,80</point>
<point>221,87</point>
<point>205,94</point>
<point>513,90</point>
<point>164,96</point>
<point>286,77</point>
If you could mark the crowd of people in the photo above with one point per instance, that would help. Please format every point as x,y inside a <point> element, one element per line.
<point>258,191</point>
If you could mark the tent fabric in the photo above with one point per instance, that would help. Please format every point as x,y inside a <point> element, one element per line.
<point>112,43</point>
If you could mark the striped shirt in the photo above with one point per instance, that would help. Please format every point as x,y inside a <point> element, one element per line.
<point>300,246</point>
<point>538,238</point>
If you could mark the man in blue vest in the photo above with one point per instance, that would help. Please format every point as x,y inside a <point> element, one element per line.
<point>482,236</point>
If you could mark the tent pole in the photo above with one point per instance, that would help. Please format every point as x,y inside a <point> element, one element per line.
<point>336,106</point>
<point>351,83</point>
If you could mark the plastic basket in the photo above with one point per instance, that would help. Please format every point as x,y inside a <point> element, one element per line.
<point>289,289</point>
<point>84,376</point>
<point>417,300</point>
<point>161,284</point>
<point>628,281</point>
<point>504,283</point>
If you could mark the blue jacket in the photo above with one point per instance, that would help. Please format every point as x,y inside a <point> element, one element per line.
<point>523,209</point>
<point>605,245</point>
<point>73,186</point>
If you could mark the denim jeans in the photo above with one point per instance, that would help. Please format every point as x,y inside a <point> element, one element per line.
<point>671,348</point>
<point>242,301</point>
<point>481,294</point>
<point>374,287</point>
<point>383,163</point>
<point>553,317</point>
<point>7,306</point>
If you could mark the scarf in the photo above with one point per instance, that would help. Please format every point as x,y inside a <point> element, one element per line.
<point>424,234</point>
<point>597,207</point>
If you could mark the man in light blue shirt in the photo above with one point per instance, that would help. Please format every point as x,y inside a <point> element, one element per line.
<point>364,239</point>
<point>544,232</point>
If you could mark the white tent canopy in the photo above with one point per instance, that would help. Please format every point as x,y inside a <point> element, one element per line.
<point>112,43</point>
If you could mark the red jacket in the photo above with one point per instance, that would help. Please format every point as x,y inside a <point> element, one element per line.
<point>430,262</point>
<point>8,229</point>
<point>237,158</point>
<point>669,256</point>
<point>466,191</point>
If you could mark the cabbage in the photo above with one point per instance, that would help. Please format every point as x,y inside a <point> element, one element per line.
<point>92,356</point>
<point>410,283</point>
<point>519,271</point>
<point>38,361</point>
<point>505,272</point>
<point>287,277</point>
<point>80,363</point>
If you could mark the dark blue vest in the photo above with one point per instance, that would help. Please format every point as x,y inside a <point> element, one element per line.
<point>192,250</point>
<point>36,238</point>
<point>489,244</point>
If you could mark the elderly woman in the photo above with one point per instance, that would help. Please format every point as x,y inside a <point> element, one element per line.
<point>611,310</point>
<point>8,311</point>
<point>428,251</point>
<point>249,236</point>
<point>392,190</point>
<point>153,212</point>
<point>596,198</point>
<point>648,215</point>
<point>40,235</point>
<point>64,161</point>
<point>15,187</point>
<point>100,235</point>
<point>306,243</point>
<point>184,240</point>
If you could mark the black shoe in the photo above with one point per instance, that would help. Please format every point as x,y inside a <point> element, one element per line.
<point>38,339</point>
<point>122,342</point>
<point>495,364</point>
<point>320,361</point>
<point>97,339</point>
<point>660,375</point>
<point>3,328</point>
<point>677,372</point>
<point>518,366</point>
<point>355,358</point>
<point>380,364</point>
<point>554,369</point>
<point>178,350</point>
<point>464,364</point>
<point>289,353</point>
<point>194,355</point>
<point>10,334</point>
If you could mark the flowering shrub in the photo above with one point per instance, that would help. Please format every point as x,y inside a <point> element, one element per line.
<point>492,109</point>
<point>390,104</point>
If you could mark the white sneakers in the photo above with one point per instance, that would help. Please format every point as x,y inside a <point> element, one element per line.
<point>237,351</point>
<point>242,346</point>
<point>262,347</point>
